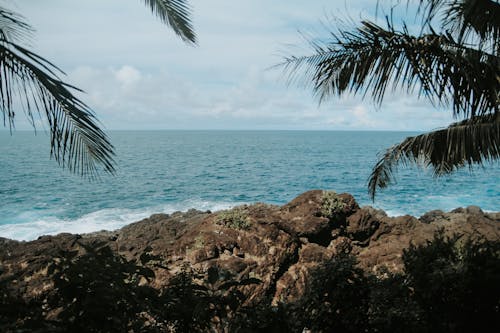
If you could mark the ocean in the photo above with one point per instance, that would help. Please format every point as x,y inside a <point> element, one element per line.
<point>167,171</point>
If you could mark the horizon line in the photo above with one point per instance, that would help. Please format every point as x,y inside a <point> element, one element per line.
<point>227,130</point>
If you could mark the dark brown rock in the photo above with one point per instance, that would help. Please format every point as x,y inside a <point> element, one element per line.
<point>362,225</point>
<point>431,216</point>
<point>280,247</point>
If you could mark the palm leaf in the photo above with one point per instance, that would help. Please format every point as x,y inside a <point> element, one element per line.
<point>476,17</point>
<point>372,59</point>
<point>428,9</point>
<point>13,27</point>
<point>475,21</point>
<point>470,142</point>
<point>175,14</point>
<point>29,82</point>
<point>457,68</point>
<point>464,16</point>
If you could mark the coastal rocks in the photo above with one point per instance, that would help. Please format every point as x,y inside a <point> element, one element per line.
<point>303,216</point>
<point>362,224</point>
<point>269,256</point>
<point>394,234</point>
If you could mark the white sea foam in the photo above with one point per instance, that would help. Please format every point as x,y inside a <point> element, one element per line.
<point>394,213</point>
<point>32,226</point>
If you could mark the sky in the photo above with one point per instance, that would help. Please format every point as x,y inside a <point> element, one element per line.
<point>138,75</point>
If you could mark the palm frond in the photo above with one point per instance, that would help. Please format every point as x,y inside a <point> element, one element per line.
<point>13,27</point>
<point>428,9</point>
<point>466,19</point>
<point>470,142</point>
<point>29,82</point>
<point>372,59</point>
<point>458,68</point>
<point>175,14</point>
<point>481,17</point>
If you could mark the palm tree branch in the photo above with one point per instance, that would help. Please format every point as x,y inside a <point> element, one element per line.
<point>13,27</point>
<point>481,17</point>
<point>469,142</point>
<point>76,139</point>
<point>371,59</point>
<point>175,14</point>
<point>465,19</point>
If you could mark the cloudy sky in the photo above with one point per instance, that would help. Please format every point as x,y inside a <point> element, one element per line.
<point>138,75</point>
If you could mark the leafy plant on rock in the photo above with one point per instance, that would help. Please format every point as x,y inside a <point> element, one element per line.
<point>336,299</point>
<point>456,282</point>
<point>235,218</point>
<point>331,204</point>
<point>202,302</point>
<point>100,291</point>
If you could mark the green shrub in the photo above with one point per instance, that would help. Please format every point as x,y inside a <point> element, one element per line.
<point>199,242</point>
<point>235,218</point>
<point>336,299</point>
<point>331,204</point>
<point>391,305</point>
<point>100,291</point>
<point>456,283</point>
<point>448,285</point>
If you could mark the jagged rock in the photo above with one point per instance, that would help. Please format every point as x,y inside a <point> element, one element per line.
<point>302,216</point>
<point>395,234</point>
<point>362,224</point>
<point>431,216</point>
<point>350,204</point>
<point>280,247</point>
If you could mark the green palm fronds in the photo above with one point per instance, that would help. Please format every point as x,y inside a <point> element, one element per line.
<point>455,66</point>
<point>465,143</point>
<point>175,14</point>
<point>31,83</point>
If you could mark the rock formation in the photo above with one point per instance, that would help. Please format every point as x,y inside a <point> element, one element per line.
<point>279,247</point>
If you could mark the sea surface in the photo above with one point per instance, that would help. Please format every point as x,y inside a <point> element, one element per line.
<point>167,171</point>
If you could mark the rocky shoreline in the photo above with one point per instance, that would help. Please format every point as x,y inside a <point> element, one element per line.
<point>278,246</point>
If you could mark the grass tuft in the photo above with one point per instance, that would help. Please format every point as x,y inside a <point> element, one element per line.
<point>235,218</point>
<point>331,204</point>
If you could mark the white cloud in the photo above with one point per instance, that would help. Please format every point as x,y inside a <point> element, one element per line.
<point>138,74</point>
<point>361,117</point>
<point>127,76</point>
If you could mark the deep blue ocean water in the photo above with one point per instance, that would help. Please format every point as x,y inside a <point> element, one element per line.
<point>165,171</point>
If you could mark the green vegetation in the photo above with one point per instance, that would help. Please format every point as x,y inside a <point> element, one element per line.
<point>176,15</point>
<point>235,218</point>
<point>447,285</point>
<point>455,283</point>
<point>31,84</point>
<point>331,204</point>
<point>199,242</point>
<point>453,61</point>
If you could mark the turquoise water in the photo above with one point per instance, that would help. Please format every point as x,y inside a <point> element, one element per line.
<point>165,171</point>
